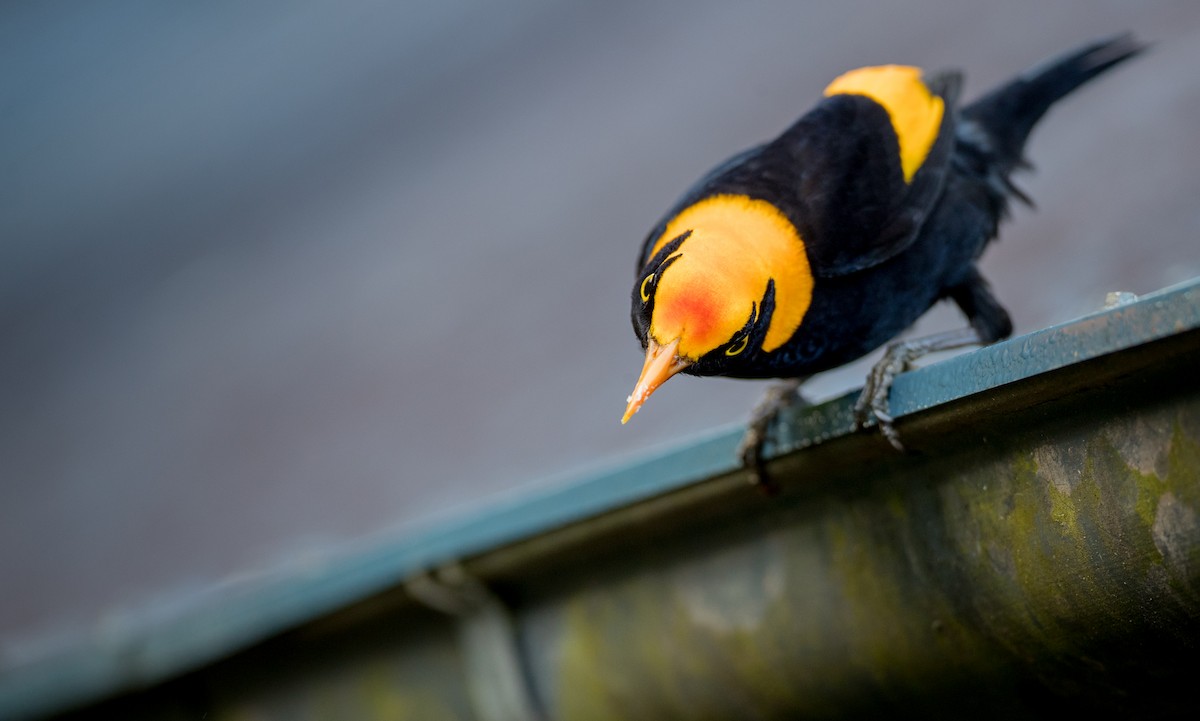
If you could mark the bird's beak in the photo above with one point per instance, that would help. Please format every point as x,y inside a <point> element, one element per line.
<point>661,364</point>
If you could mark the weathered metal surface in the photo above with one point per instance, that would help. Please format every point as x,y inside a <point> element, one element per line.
<point>408,668</point>
<point>398,672</point>
<point>494,674</point>
<point>1060,563</point>
<point>1039,547</point>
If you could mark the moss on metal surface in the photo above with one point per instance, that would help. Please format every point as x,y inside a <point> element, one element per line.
<point>371,693</point>
<point>382,673</point>
<point>1040,566</point>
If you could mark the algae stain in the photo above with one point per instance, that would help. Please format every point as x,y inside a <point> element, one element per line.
<point>632,652</point>
<point>1182,476</point>
<point>1059,464</point>
<point>1175,522</point>
<point>1176,533</point>
<point>732,589</point>
<point>1021,527</point>
<point>582,692</point>
<point>1183,464</point>
<point>1063,510</point>
<point>1150,489</point>
<point>386,700</point>
<point>881,613</point>
<point>1138,438</point>
<point>1081,520</point>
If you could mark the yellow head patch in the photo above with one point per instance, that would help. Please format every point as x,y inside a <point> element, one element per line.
<point>916,113</point>
<point>737,245</point>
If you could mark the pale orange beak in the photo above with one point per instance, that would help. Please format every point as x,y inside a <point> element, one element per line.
<point>661,364</point>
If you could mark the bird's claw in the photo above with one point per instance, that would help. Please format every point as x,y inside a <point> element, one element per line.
<point>758,430</point>
<point>750,453</point>
<point>873,401</point>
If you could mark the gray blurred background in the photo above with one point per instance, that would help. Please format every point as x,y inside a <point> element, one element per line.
<point>278,279</point>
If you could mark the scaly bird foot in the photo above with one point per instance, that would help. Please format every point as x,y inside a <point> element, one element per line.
<point>777,398</point>
<point>873,402</point>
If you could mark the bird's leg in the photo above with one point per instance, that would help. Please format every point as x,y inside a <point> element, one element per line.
<point>896,359</point>
<point>778,397</point>
<point>989,323</point>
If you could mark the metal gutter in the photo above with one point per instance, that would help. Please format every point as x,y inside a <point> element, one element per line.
<point>536,547</point>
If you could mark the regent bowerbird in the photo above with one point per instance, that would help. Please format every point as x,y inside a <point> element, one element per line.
<point>818,247</point>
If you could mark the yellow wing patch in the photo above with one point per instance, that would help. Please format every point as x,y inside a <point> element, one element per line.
<point>737,245</point>
<point>916,113</point>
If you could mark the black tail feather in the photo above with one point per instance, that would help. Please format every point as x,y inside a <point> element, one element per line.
<point>1007,114</point>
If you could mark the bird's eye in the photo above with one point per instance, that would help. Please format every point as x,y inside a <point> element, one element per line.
<point>646,288</point>
<point>734,350</point>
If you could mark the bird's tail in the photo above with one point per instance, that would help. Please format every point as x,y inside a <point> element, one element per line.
<point>1007,114</point>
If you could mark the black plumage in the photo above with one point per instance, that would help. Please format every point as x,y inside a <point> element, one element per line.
<point>881,247</point>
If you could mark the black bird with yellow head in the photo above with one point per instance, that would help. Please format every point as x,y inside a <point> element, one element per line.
<point>816,248</point>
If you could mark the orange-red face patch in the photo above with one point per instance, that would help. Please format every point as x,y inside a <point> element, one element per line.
<point>705,297</point>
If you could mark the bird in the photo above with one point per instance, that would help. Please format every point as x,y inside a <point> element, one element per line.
<point>816,248</point>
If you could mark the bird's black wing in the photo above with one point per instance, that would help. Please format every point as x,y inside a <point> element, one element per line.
<point>851,202</point>
<point>837,175</point>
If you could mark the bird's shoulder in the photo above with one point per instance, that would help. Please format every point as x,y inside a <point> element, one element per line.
<point>857,175</point>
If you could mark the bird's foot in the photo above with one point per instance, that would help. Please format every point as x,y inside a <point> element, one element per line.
<point>897,358</point>
<point>777,398</point>
<point>873,401</point>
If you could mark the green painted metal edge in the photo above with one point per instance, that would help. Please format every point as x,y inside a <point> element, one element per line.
<point>151,645</point>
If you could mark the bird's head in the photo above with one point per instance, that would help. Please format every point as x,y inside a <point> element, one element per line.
<point>727,282</point>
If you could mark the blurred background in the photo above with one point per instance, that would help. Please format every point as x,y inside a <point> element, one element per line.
<point>279,279</point>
